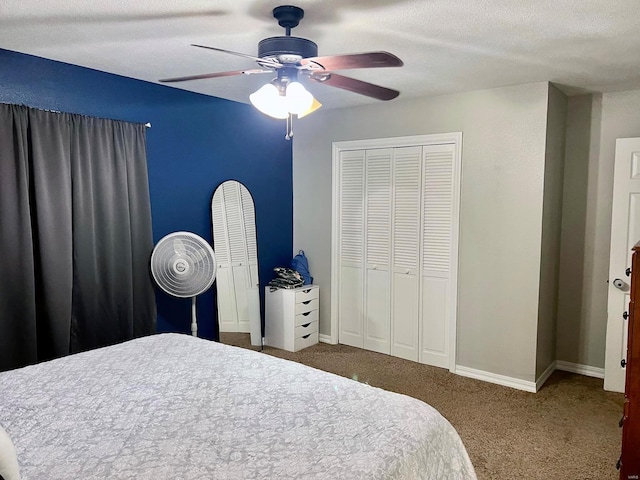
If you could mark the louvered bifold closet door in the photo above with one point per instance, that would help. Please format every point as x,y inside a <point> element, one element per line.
<point>377,283</point>
<point>406,254</point>
<point>438,174</point>
<point>351,247</point>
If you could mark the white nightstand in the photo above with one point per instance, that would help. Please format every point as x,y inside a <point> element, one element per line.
<point>291,317</point>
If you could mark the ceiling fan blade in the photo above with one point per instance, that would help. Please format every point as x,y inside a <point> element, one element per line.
<point>214,75</point>
<point>355,86</point>
<point>267,61</point>
<point>355,60</point>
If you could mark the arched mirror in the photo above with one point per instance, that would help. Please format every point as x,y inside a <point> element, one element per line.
<point>234,240</point>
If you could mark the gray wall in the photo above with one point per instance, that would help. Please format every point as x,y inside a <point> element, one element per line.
<point>593,124</point>
<point>503,161</point>
<point>580,338</point>
<point>551,222</point>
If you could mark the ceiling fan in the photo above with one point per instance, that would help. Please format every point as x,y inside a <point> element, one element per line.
<point>292,58</point>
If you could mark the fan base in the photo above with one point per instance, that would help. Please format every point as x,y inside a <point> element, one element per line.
<point>296,46</point>
<point>288,16</point>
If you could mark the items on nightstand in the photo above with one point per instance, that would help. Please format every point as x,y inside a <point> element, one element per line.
<point>291,317</point>
<point>286,278</point>
<point>300,264</point>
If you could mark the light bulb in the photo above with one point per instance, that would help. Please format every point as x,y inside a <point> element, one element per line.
<point>298,99</point>
<point>269,101</point>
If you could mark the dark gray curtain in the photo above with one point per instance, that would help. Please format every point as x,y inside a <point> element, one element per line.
<point>75,234</point>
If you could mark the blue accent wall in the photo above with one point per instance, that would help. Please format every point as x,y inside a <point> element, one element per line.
<point>196,142</point>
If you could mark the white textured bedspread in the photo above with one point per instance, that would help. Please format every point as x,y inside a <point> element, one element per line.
<point>173,406</point>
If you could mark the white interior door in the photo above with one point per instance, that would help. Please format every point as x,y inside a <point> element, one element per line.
<point>406,252</point>
<point>377,314</point>
<point>350,217</point>
<point>625,233</point>
<point>439,240</point>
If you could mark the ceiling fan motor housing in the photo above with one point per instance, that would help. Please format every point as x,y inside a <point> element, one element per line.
<point>283,46</point>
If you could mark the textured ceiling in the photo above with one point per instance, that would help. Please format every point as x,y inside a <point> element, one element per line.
<point>447,45</point>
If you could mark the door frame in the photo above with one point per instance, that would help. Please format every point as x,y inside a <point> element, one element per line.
<point>408,141</point>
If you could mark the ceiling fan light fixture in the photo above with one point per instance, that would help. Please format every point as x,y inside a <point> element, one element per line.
<point>299,100</point>
<point>289,56</point>
<point>268,100</point>
<point>279,103</point>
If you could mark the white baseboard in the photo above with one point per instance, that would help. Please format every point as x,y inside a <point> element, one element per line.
<point>587,370</point>
<point>516,383</point>
<point>325,338</point>
<point>545,375</point>
<point>496,378</point>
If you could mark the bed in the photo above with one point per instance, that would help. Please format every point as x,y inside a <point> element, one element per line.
<point>175,406</point>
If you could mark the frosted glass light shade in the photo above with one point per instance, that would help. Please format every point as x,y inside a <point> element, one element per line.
<point>296,100</point>
<point>268,100</point>
<point>299,100</point>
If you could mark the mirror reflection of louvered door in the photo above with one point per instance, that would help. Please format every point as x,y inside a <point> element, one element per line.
<point>396,245</point>
<point>234,238</point>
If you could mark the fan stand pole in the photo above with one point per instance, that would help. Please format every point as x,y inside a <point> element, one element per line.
<point>194,322</point>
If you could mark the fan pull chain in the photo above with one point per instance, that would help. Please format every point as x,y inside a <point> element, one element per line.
<point>289,134</point>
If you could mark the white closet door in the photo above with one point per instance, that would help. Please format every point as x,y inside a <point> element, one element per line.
<point>377,325</point>
<point>437,241</point>
<point>351,247</point>
<point>406,254</point>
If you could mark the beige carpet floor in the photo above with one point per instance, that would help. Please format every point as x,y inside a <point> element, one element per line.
<point>568,430</point>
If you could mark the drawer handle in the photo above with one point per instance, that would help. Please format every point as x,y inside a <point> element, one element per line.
<point>307,302</point>
<point>305,314</point>
<point>306,336</point>
<point>305,325</point>
<point>307,290</point>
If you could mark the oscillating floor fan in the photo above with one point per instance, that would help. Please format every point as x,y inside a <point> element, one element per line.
<point>183,265</point>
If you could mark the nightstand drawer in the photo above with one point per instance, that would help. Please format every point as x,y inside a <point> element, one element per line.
<point>306,306</point>
<point>306,317</point>
<point>306,329</point>
<point>307,294</point>
<point>306,341</point>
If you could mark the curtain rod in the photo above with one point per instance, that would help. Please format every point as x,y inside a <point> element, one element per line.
<point>148,124</point>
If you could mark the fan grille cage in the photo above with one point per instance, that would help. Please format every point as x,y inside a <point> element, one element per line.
<point>183,264</point>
